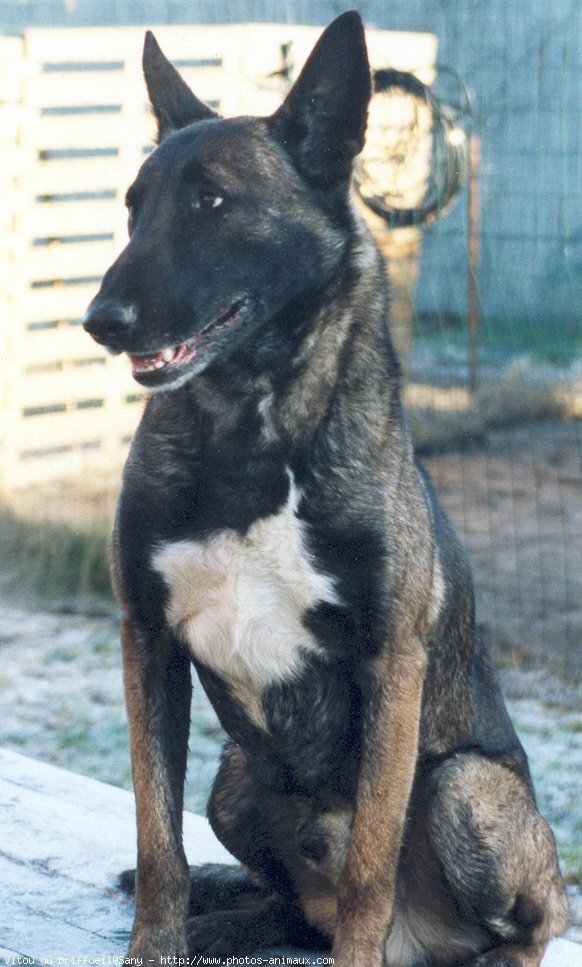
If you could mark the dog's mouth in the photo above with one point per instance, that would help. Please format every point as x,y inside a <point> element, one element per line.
<point>164,359</point>
<point>173,362</point>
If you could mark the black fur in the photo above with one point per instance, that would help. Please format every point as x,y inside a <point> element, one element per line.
<point>253,303</point>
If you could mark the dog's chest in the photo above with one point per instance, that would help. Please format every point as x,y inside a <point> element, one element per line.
<point>238,602</point>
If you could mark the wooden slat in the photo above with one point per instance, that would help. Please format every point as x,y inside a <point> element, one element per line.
<point>76,427</point>
<point>78,383</point>
<point>64,463</point>
<point>76,260</point>
<point>85,371</point>
<point>51,219</point>
<point>122,43</point>
<point>58,302</point>
<point>65,387</point>
<point>74,174</point>
<point>11,50</point>
<point>91,130</point>
<point>84,88</point>
<point>90,87</point>
<point>64,343</point>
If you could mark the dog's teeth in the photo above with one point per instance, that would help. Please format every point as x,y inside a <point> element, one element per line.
<point>168,355</point>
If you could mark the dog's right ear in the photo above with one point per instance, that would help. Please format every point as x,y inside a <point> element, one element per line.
<point>173,103</point>
<point>322,122</point>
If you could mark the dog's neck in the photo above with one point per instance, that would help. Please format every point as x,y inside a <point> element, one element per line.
<point>338,338</point>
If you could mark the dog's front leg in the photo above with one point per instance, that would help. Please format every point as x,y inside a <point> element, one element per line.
<point>158,691</point>
<point>391,714</point>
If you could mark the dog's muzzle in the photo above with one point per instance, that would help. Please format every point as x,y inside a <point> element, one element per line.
<point>109,323</point>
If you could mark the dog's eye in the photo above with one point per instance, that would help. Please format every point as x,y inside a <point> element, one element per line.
<point>208,200</point>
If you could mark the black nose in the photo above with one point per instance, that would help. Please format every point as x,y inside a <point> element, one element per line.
<point>109,322</point>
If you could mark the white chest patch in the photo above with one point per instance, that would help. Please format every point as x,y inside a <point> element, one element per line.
<point>238,602</point>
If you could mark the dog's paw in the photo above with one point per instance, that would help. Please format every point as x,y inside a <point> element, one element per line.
<point>225,933</point>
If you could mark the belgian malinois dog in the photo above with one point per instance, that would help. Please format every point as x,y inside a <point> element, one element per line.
<point>275,531</point>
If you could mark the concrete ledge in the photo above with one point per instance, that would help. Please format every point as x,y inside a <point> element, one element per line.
<point>63,841</point>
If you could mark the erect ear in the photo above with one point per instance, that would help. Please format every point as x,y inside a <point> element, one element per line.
<point>173,103</point>
<point>322,122</point>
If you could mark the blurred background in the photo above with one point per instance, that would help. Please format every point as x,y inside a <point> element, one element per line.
<point>472,183</point>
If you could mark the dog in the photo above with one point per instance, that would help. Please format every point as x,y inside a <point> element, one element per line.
<point>275,531</point>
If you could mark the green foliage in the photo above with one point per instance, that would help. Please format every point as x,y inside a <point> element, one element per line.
<point>501,339</point>
<point>553,342</point>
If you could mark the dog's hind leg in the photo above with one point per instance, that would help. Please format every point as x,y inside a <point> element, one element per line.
<point>236,911</point>
<point>498,857</point>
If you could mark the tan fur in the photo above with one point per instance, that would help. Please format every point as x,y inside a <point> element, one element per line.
<point>162,868</point>
<point>321,911</point>
<point>367,887</point>
<point>519,838</point>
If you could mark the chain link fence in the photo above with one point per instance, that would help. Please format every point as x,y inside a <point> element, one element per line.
<point>489,302</point>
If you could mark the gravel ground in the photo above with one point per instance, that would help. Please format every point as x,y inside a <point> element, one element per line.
<point>60,679</point>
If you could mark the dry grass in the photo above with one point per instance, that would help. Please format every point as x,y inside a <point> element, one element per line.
<point>83,503</point>
<point>443,419</point>
<point>54,561</point>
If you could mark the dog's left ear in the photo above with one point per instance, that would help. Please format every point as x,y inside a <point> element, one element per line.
<point>173,103</point>
<point>322,122</point>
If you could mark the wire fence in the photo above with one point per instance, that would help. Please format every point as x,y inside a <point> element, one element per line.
<point>495,408</point>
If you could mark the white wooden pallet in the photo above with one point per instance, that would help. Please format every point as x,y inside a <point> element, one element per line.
<point>63,840</point>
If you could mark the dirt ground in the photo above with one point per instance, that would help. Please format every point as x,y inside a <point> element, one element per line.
<point>517,504</point>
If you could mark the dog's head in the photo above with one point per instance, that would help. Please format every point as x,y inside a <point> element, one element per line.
<point>232,221</point>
